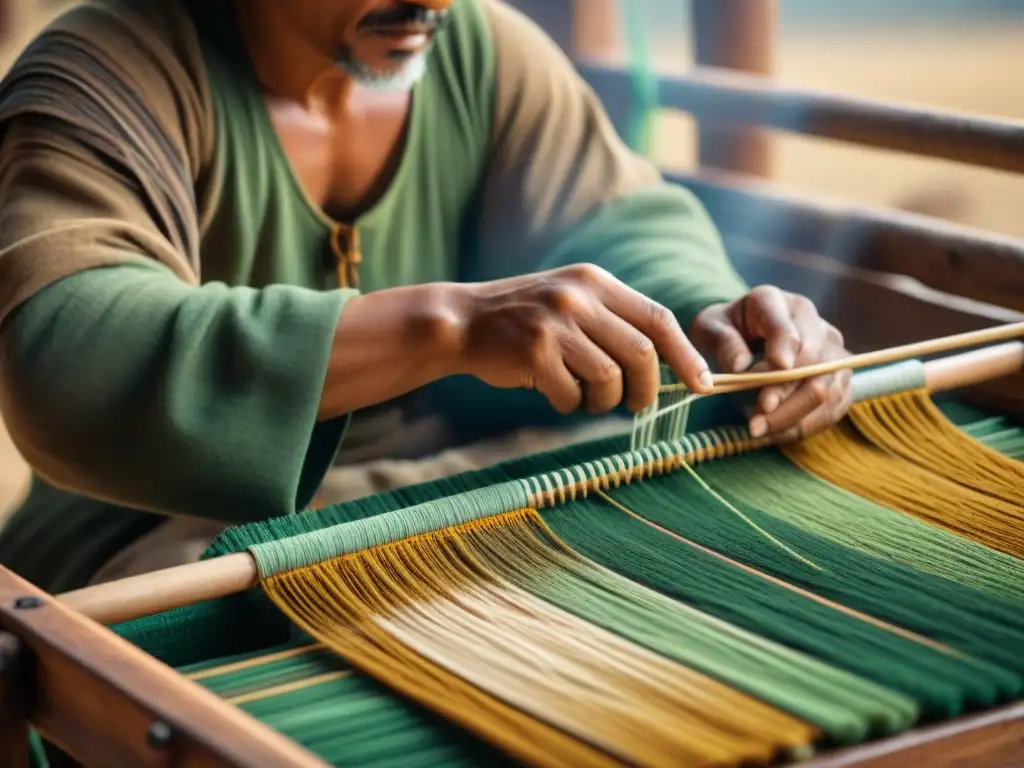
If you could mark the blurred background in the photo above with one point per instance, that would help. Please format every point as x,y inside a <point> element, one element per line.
<point>965,55</point>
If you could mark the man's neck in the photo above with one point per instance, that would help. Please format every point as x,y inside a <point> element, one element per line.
<point>287,65</point>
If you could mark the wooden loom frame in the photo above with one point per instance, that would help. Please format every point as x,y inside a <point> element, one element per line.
<point>129,709</point>
<point>932,279</point>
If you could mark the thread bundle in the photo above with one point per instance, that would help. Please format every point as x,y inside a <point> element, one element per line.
<point>901,452</point>
<point>454,603</point>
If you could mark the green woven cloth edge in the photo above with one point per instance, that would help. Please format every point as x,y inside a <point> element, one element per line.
<point>306,549</point>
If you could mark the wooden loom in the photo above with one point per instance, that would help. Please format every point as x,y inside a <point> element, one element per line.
<point>130,709</point>
<point>922,280</point>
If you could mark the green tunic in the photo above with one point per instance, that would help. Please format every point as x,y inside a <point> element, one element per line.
<point>168,294</point>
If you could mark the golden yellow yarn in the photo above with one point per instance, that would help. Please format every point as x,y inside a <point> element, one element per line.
<point>901,452</point>
<point>912,427</point>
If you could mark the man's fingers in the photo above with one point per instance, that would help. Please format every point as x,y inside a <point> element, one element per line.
<point>766,315</point>
<point>825,417</point>
<point>635,354</point>
<point>815,422</point>
<point>774,395</point>
<point>561,389</point>
<point>660,326</point>
<point>548,374</point>
<point>715,334</point>
<point>791,435</point>
<point>601,375</point>
<point>808,397</point>
<point>813,341</point>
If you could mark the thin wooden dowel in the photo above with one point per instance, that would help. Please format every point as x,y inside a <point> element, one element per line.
<point>726,383</point>
<point>164,590</point>
<point>970,368</point>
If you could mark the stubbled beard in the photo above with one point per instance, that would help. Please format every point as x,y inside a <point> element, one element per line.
<point>404,70</point>
<point>402,76</point>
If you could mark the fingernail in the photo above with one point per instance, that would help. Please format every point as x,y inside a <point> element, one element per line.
<point>758,427</point>
<point>706,381</point>
<point>789,353</point>
<point>741,363</point>
<point>771,402</point>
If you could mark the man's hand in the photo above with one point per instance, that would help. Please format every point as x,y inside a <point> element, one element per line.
<point>793,335</point>
<point>576,334</point>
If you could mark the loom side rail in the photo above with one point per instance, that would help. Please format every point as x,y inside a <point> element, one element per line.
<point>740,98</point>
<point>14,745</point>
<point>106,702</point>
<point>990,740</point>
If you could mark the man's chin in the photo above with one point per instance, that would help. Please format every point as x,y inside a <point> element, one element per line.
<point>398,75</point>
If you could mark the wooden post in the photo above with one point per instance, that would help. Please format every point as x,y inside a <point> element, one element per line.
<point>584,29</point>
<point>737,34</point>
<point>595,28</point>
<point>12,13</point>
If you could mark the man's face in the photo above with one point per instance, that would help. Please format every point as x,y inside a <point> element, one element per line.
<point>382,44</point>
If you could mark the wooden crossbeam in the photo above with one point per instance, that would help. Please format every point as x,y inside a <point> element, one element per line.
<point>948,258</point>
<point>989,740</point>
<point>732,97</point>
<point>739,35</point>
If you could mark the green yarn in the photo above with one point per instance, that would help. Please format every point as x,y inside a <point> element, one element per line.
<point>941,684</point>
<point>274,554</point>
<point>783,490</point>
<point>973,621</point>
<point>994,429</point>
<point>268,673</point>
<point>738,628</point>
<point>845,707</point>
<point>352,721</point>
<point>315,545</point>
<point>885,380</point>
<point>241,538</point>
<point>235,624</point>
<point>997,433</point>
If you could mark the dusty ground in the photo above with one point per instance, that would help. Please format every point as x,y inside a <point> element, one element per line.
<point>976,70</point>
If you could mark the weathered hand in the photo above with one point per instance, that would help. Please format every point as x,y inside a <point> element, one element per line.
<point>793,335</point>
<point>577,335</point>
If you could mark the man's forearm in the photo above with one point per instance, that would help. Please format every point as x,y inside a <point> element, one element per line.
<point>389,343</point>
<point>127,385</point>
